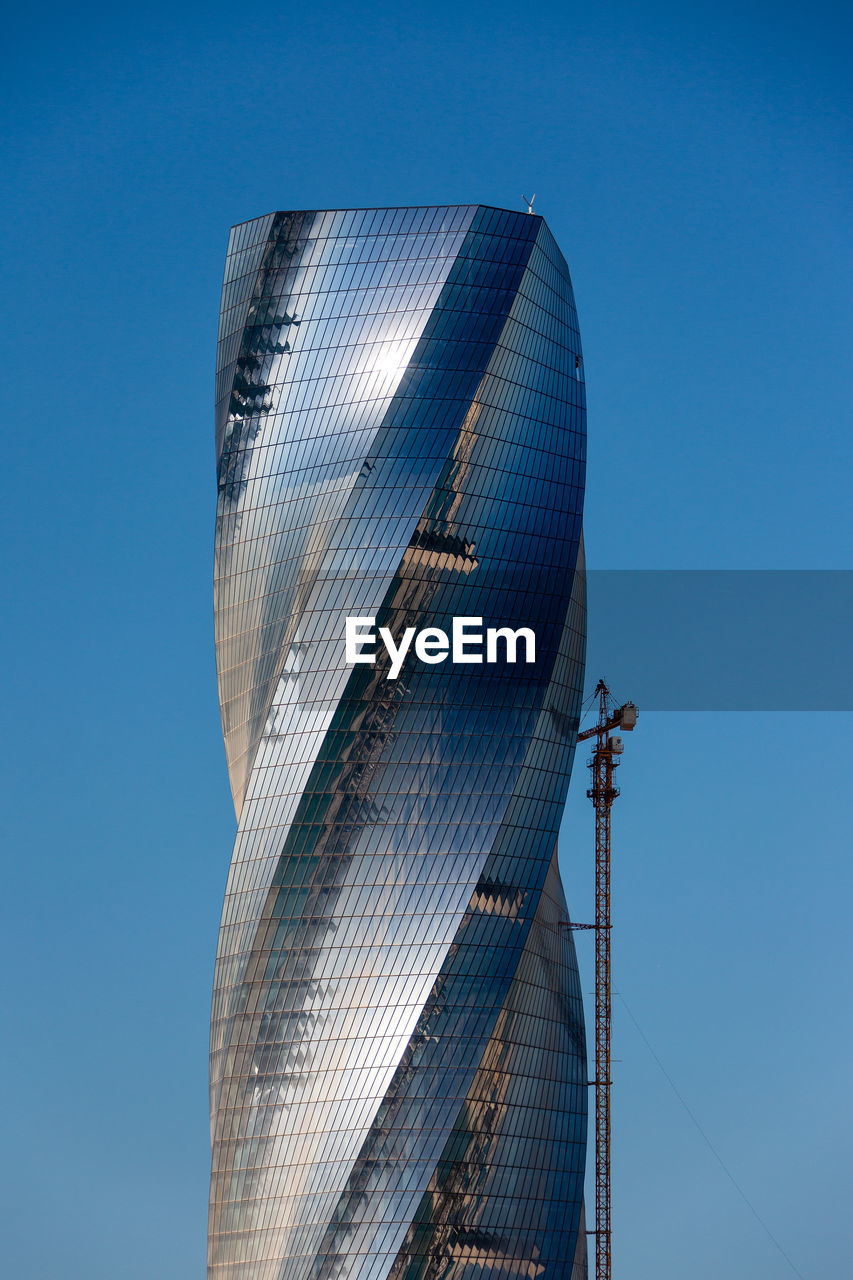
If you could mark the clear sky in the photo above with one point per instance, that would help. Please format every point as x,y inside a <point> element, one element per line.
<point>693,163</point>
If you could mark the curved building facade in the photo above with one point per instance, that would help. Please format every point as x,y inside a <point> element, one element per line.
<point>398,1063</point>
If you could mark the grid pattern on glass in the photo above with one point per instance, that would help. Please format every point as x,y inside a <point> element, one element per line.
<point>400,433</point>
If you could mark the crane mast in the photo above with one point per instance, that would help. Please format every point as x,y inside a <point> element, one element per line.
<point>602,793</point>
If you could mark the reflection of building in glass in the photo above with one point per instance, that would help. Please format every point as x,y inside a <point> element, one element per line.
<point>398,1067</point>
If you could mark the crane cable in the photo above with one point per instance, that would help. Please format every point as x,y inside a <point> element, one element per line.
<point>710,1144</point>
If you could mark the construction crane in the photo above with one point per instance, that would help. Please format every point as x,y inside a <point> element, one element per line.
<point>602,793</point>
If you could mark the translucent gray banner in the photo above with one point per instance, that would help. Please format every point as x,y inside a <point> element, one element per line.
<point>723,640</point>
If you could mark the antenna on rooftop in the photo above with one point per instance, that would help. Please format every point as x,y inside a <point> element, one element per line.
<point>529,202</point>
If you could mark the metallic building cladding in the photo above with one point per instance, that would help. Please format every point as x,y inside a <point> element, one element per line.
<point>398,1065</point>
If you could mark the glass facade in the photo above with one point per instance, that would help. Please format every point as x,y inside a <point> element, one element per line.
<point>398,1061</point>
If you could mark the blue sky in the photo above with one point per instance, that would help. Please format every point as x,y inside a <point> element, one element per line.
<point>693,163</point>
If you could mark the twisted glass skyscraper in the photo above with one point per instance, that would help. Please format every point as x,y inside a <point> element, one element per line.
<point>398,1065</point>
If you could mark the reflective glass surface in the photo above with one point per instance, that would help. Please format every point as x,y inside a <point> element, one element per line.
<point>398,1066</point>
